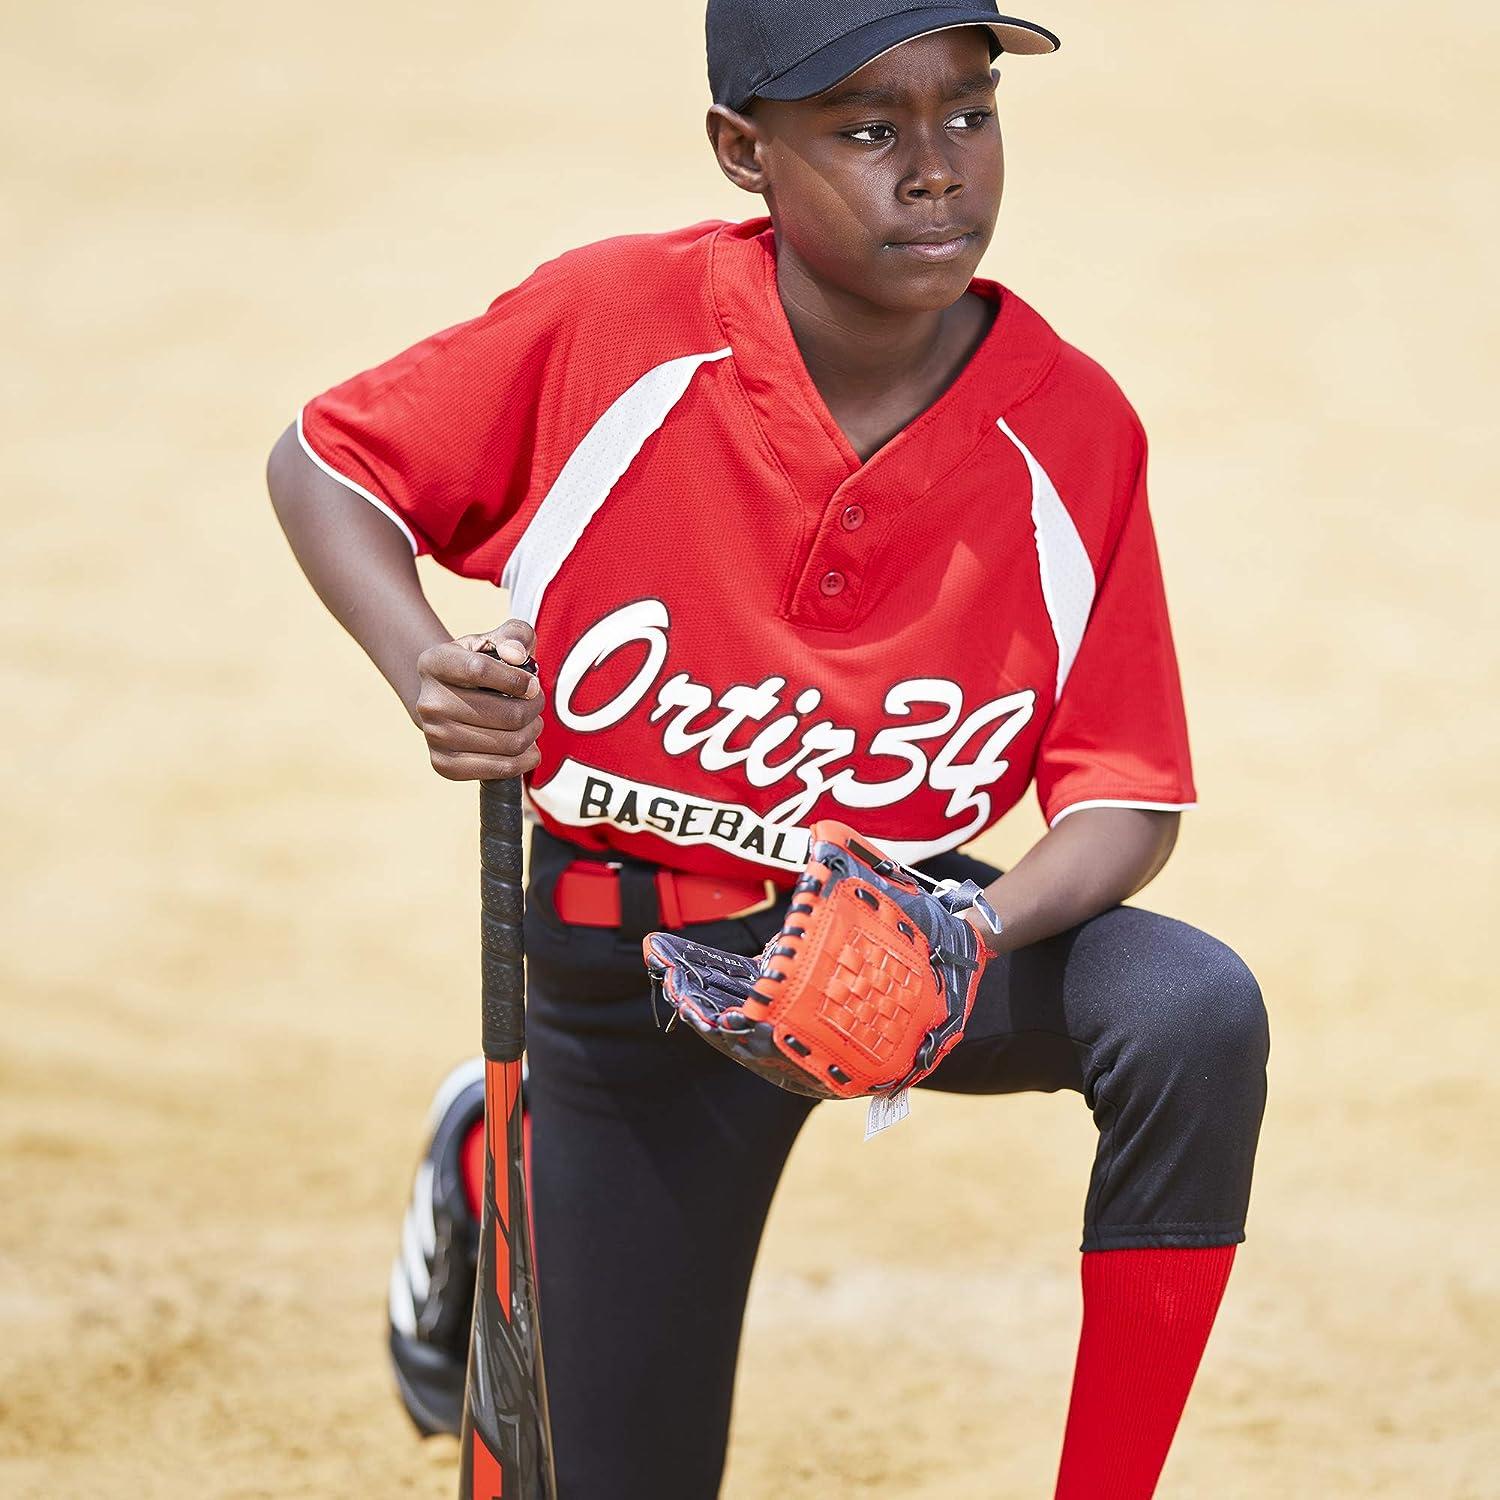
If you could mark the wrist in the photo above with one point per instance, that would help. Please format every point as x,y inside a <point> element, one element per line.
<point>399,656</point>
<point>986,922</point>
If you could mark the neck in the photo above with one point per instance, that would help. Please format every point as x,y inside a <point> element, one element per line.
<point>850,344</point>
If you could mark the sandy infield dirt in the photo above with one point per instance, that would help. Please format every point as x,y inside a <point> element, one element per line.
<point>240,907</point>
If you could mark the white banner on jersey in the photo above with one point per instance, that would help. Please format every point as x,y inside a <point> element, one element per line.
<point>581,795</point>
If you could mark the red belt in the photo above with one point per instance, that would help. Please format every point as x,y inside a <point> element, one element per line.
<point>588,893</point>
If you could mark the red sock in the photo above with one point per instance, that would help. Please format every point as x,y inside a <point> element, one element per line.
<point>471,1162</point>
<point>471,1159</point>
<point>1146,1318</point>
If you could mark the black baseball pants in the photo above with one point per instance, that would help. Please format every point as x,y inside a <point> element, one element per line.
<point>655,1157</point>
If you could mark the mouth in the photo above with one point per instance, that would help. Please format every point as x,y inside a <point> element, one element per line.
<point>935,244</point>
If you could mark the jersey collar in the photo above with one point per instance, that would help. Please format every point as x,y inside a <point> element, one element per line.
<point>1009,363</point>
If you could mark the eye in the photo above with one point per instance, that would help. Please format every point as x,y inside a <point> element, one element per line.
<point>969,119</point>
<point>871,135</point>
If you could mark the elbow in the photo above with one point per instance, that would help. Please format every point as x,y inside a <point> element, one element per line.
<point>282,464</point>
<point>1167,826</point>
<point>1163,828</point>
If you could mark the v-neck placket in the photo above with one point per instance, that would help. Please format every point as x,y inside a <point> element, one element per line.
<point>848,508</point>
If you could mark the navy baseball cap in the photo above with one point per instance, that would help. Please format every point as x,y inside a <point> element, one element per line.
<point>793,49</point>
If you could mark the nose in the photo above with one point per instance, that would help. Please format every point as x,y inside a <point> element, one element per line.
<point>932,173</point>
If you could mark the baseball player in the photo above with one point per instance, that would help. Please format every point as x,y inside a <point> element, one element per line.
<point>809,528</point>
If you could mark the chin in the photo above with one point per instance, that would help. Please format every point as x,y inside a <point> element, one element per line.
<point>923,288</point>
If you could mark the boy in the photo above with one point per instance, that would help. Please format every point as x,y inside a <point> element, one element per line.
<point>802,519</point>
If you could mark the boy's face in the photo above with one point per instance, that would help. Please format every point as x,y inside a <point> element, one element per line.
<point>887,185</point>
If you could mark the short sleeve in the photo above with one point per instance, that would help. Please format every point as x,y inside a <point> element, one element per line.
<point>1117,735</point>
<point>440,437</point>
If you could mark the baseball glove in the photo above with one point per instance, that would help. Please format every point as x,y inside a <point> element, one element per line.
<point>864,990</point>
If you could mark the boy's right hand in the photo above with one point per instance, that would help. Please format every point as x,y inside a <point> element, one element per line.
<point>481,716</point>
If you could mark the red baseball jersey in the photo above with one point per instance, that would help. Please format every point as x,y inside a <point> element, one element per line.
<point>741,627</point>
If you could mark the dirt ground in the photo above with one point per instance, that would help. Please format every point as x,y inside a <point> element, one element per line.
<point>240,907</point>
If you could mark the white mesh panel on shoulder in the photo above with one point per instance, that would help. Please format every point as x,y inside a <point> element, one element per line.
<point>1066,572</point>
<point>591,472</point>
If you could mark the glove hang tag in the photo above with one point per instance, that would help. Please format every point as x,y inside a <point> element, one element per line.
<point>656,997</point>
<point>886,1110</point>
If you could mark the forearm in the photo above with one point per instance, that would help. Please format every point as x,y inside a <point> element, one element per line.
<point>358,562</point>
<point>1091,861</point>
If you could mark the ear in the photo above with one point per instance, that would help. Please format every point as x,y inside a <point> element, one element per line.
<point>737,145</point>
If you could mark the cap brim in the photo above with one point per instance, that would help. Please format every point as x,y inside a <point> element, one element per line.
<point>847,54</point>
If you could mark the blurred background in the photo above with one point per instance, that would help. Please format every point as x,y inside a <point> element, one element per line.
<point>240,907</point>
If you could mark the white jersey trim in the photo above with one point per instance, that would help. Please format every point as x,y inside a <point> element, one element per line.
<point>592,470</point>
<point>1112,802</point>
<point>1067,574</point>
<point>358,489</point>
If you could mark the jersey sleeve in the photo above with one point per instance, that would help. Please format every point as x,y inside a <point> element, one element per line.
<point>1117,736</point>
<point>440,437</point>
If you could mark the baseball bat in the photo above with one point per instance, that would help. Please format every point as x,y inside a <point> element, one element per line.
<point>506,1445</point>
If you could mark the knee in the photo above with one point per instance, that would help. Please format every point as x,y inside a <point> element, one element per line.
<point>1204,1017</point>
<point>1220,1013</point>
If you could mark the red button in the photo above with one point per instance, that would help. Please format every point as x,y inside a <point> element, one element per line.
<point>853,517</point>
<point>832,583</point>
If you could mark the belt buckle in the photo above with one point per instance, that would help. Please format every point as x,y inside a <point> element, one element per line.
<point>766,902</point>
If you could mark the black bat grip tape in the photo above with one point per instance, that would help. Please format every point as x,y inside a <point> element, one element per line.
<point>501,908</point>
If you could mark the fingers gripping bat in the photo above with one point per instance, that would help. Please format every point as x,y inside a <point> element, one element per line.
<point>506,1445</point>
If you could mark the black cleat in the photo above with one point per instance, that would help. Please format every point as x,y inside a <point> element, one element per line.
<point>432,1280</point>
